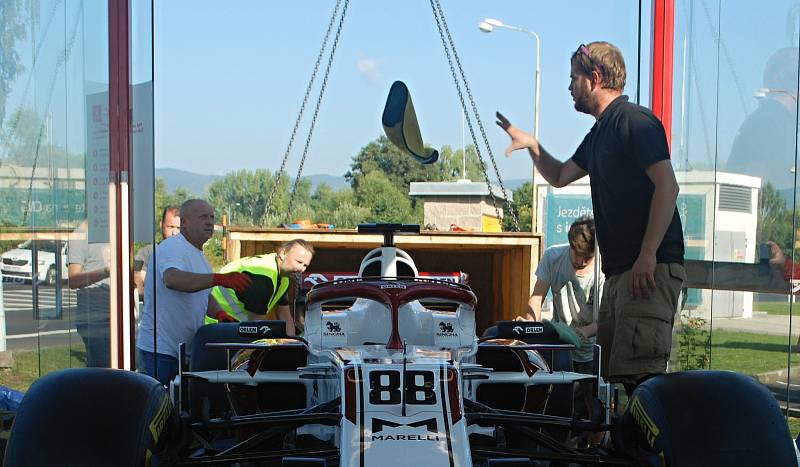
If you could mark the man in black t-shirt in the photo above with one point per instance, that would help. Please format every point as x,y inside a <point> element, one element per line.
<point>633,195</point>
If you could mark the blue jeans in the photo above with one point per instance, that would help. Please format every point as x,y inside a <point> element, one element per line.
<point>162,367</point>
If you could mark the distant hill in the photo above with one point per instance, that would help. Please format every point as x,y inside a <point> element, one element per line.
<point>337,183</point>
<point>197,183</point>
<point>194,182</point>
<point>514,183</point>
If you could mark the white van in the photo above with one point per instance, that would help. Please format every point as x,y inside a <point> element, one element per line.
<point>16,263</point>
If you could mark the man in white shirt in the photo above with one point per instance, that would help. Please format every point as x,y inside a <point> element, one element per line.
<point>178,300</point>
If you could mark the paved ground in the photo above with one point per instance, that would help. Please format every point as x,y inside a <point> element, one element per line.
<point>23,331</point>
<point>783,385</point>
<point>761,323</point>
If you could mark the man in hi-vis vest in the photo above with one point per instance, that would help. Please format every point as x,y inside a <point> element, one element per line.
<point>269,281</point>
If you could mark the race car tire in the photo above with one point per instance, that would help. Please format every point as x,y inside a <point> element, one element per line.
<point>705,418</point>
<point>207,400</point>
<point>91,416</point>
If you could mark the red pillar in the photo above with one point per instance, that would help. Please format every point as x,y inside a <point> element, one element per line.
<point>662,59</point>
<point>119,119</point>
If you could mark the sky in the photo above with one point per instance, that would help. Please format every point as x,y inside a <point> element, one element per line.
<point>229,77</point>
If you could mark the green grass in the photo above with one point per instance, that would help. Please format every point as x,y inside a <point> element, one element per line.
<point>775,308</point>
<point>794,426</point>
<point>31,365</point>
<point>749,353</point>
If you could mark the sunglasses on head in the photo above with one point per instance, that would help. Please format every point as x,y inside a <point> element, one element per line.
<point>584,50</point>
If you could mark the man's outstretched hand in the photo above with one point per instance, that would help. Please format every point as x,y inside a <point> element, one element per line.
<point>233,280</point>
<point>519,138</point>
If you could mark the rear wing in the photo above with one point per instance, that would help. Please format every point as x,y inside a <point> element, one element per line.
<point>310,279</point>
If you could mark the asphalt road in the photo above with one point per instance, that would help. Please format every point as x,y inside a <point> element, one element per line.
<point>23,332</point>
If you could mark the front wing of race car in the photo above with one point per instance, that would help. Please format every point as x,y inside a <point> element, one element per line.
<point>370,405</point>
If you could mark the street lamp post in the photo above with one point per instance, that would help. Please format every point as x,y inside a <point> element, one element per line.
<point>488,25</point>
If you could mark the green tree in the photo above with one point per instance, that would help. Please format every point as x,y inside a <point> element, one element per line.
<point>14,16</point>
<point>385,201</point>
<point>244,195</point>
<point>24,134</point>
<point>774,219</point>
<point>325,202</point>
<point>399,168</point>
<point>451,164</point>
<point>348,215</point>
<point>20,134</point>
<point>521,204</point>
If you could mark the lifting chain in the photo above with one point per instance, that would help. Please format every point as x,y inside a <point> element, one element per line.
<point>280,172</point>
<point>441,24</point>
<point>316,110</point>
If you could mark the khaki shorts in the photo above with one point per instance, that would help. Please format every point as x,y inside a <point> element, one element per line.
<point>636,334</point>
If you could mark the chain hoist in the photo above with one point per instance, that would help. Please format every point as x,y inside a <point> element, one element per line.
<point>441,24</point>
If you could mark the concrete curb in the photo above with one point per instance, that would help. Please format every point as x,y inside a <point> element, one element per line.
<point>784,375</point>
<point>6,359</point>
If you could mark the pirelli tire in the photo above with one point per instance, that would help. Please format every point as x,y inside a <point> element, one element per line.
<point>91,416</point>
<point>705,418</point>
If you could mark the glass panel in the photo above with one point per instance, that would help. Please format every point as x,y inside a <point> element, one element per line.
<point>145,225</point>
<point>89,253</point>
<point>734,150</point>
<point>54,190</point>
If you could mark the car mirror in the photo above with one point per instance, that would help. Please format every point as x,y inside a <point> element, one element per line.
<point>401,126</point>
<point>263,329</point>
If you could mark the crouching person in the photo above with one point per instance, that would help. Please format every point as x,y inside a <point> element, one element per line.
<point>269,281</point>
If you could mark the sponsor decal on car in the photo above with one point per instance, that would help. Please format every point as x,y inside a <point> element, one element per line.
<point>649,428</point>
<point>334,329</point>
<point>250,329</point>
<point>528,330</point>
<point>378,425</point>
<point>311,279</point>
<point>446,330</point>
<point>315,278</point>
<point>160,420</point>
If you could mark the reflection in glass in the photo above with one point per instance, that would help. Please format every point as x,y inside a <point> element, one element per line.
<point>89,273</point>
<point>738,120</point>
<point>59,58</point>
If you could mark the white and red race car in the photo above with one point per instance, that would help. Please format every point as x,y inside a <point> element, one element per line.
<point>389,372</point>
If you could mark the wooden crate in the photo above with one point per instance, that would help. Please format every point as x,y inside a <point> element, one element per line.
<point>500,266</point>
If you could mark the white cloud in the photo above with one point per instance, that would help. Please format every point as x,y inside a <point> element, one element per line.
<point>369,69</point>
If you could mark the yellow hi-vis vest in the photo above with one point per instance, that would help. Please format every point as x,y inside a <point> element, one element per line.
<point>261,265</point>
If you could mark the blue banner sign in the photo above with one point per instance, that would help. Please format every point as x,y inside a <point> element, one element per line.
<point>560,212</point>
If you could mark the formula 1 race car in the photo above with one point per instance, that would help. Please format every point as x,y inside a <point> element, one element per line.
<point>389,372</point>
